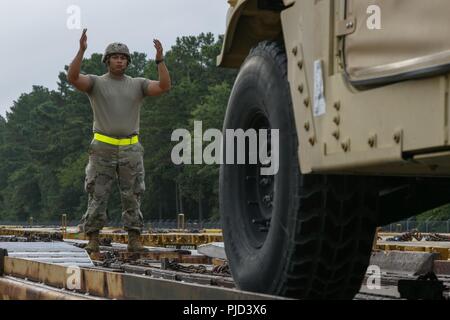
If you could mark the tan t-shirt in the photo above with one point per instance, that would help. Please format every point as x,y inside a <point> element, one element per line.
<point>116,104</point>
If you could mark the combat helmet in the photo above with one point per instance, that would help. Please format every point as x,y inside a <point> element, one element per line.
<point>116,48</point>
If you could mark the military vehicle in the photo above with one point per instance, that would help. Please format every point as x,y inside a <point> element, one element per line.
<point>359,90</point>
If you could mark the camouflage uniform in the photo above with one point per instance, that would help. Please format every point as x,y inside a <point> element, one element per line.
<point>106,163</point>
<point>116,106</point>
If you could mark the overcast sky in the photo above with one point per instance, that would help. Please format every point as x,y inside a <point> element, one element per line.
<point>36,41</point>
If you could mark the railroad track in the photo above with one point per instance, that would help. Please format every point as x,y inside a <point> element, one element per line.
<point>23,279</point>
<point>159,274</point>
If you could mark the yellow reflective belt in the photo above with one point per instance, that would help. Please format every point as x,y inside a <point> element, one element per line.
<point>116,142</point>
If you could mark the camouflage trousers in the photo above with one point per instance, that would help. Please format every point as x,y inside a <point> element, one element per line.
<point>107,164</point>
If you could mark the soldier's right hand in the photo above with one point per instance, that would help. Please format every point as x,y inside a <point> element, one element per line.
<point>83,41</point>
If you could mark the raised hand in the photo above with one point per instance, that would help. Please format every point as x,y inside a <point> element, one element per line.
<point>159,50</point>
<point>83,41</point>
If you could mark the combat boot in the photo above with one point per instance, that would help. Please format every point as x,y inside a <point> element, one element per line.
<point>134,242</point>
<point>94,242</point>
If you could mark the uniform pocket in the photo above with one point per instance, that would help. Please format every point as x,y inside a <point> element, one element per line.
<point>139,184</point>
<point>139,187</point>
<point>89,181</point>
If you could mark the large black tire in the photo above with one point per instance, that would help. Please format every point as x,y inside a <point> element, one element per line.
<point>293,235</point>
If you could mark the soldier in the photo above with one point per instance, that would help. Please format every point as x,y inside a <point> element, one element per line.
<point>115,152</point>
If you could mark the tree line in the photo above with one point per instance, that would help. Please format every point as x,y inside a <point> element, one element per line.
<point>45,137</point>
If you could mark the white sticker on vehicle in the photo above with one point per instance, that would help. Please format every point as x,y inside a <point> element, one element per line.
<point>320,107</point>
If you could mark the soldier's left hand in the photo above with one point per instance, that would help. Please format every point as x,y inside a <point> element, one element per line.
<point>159,49</point>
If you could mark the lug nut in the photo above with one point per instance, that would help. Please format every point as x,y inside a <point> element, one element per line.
<point>264,182</point>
